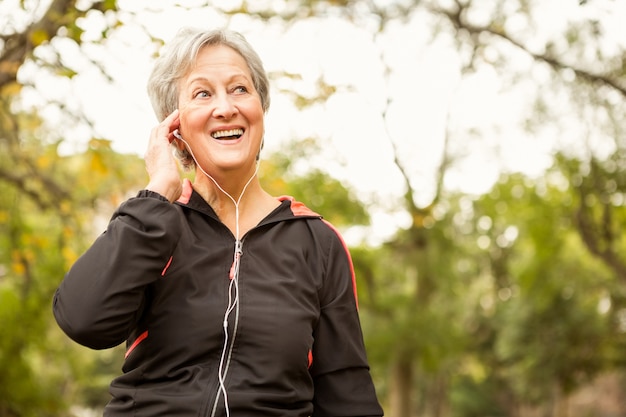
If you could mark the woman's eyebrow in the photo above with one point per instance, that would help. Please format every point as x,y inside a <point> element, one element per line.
<point>197,79</point>
<point>233,77</point>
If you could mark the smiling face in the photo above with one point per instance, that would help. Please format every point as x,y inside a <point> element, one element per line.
<point>221,116</point>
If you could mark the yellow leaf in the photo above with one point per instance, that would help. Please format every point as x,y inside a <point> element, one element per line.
<point>37,37</point>
<point>98,144</point>
<point>66,207</point>
<point>97,164</point>
<point>43,161</point>
<point>69,256</point>
<point>18,268</point>
<point>10,89</point>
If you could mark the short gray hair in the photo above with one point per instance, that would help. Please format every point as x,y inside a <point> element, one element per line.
<point>179,57</point>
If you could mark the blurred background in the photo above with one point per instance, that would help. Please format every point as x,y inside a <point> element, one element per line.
<point>473,153</point>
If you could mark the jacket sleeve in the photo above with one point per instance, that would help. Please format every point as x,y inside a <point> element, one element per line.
<point>100,298</point>
<point>343,384</point>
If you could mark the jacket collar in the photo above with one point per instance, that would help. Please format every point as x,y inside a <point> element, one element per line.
<point>289,208</point>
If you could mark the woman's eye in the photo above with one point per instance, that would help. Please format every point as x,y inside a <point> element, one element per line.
<point>201,94</point>
<point>240,89</point>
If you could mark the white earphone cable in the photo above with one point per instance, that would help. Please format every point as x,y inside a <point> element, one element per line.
<point>233,286</point>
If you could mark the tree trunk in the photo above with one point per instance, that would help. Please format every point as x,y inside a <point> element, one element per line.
<point>439,393</point>
<point>401,386</point>
<point>560,402</point>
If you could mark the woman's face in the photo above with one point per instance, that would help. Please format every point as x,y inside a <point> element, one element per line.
<point>221,117</point>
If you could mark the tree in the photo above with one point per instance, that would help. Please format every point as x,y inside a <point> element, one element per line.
<point>456,288</point>
<point>487,37</point>
<point>545,291</point>
<point>42,229</point>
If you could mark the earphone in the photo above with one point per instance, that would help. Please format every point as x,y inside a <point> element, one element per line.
<point>233,286</point>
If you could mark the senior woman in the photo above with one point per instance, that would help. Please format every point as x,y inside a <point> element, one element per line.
<point>230,301</point>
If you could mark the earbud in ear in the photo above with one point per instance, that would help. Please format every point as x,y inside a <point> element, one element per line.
<point>176,134</point>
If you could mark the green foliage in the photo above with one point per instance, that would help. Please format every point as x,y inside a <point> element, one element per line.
<point>47,206</point>
<point>539,318</point>
<point>499,295</point>
<point>281,174</point>
<point>493,302</point>
<point>417,288</point>
<point>478,397</point>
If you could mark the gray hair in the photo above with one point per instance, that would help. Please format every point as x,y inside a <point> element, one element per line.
<point>179,57</point>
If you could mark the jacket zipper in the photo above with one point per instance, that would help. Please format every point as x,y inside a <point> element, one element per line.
<point>233,275</point>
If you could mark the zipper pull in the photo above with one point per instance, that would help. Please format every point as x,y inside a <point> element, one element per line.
<point>235,266</point>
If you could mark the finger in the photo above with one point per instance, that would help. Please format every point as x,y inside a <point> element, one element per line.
<point>171,117</point>
<point>171,122</point>
<point>167,125</point>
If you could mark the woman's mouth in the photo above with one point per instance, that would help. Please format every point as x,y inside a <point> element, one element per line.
<point>227,134</point>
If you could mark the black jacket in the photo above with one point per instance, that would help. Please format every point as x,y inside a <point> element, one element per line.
<point>159,279</point>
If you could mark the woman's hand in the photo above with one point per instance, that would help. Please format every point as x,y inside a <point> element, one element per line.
<point>160,163</point>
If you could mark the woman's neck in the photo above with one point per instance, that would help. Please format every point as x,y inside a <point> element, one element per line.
<point>245,205</point>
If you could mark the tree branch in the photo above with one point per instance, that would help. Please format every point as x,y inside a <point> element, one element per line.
<point>21,184</point>
<point>597,237</point>
<point>19,46</point>
<point>456,18</point>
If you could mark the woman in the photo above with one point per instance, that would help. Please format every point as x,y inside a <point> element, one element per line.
<point>231,301</point>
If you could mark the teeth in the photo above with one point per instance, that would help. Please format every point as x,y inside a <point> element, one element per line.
<point>226,133</point>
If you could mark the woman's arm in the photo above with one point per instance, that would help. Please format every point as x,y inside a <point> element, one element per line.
<point>100,298</point>
<point>343,384</point>
<point>99,301</point>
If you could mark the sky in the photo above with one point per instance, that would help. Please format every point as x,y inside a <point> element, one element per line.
<point>425,91</point>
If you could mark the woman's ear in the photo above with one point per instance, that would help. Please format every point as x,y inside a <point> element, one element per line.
<point>178,141</point>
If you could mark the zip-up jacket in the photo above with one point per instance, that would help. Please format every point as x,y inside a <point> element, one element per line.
<point>278,337</point>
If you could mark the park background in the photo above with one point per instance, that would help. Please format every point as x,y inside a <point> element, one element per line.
<point>473,153</point>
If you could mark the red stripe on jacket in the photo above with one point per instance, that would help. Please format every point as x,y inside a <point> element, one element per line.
<point>299,209</point>
<point>139,339</point>
<point>352,273</point>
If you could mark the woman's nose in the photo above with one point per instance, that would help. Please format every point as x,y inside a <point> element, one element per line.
<point>224,107</point>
